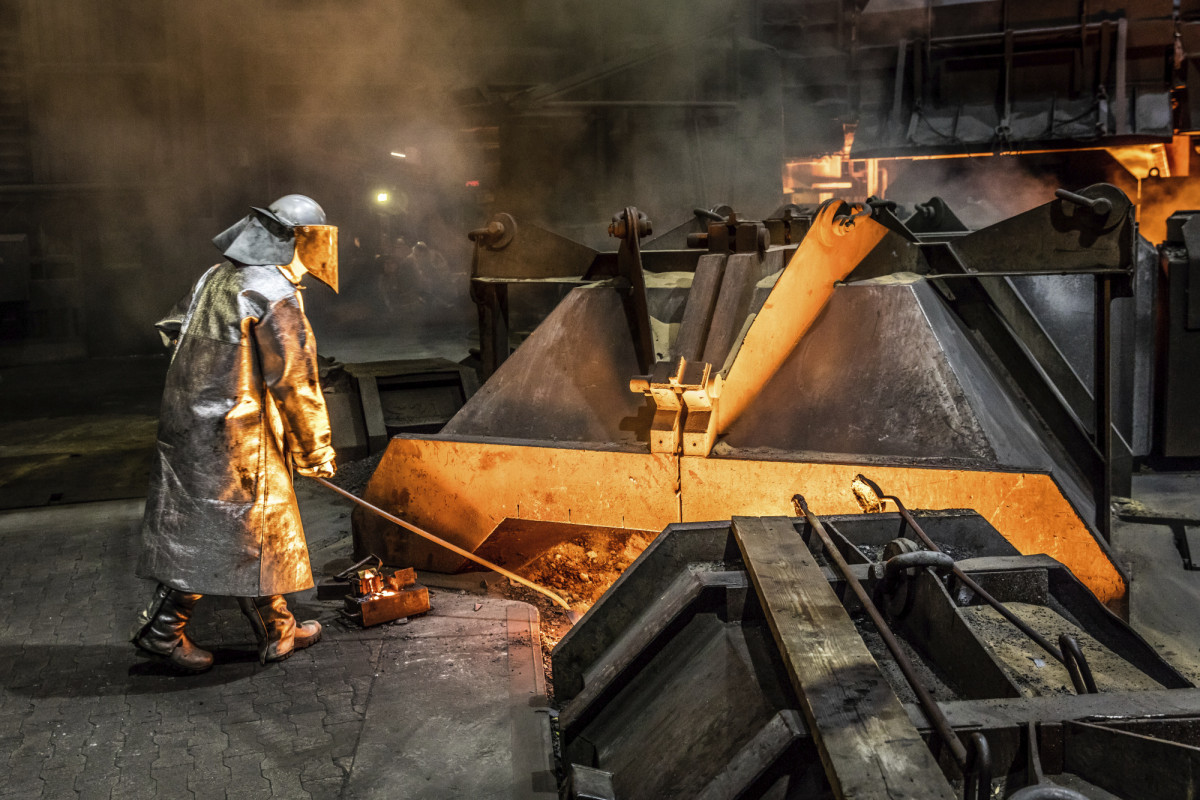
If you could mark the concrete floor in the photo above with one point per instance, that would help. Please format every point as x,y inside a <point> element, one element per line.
<point>448,705</point>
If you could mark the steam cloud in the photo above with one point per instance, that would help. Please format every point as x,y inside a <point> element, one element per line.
<point>225,105</point>
<point>980,191</point>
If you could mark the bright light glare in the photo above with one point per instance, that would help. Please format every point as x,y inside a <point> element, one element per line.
<point>382,197</point>
<point>399,155</point>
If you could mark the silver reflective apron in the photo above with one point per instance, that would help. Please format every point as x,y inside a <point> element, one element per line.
<point>242,404</point>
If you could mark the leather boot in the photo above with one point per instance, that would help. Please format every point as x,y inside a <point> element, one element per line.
<point>161,630</point>
<point>275,628</point>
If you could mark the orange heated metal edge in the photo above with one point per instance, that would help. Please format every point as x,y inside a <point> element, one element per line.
<point>1027,508</point>
<point>461,490</point>
<point>827,255</point>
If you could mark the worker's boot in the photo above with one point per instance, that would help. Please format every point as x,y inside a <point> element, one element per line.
<point>160,630</point>
<point>276,629</point>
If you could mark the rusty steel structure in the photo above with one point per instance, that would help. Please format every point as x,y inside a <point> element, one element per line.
<point>675,384</point>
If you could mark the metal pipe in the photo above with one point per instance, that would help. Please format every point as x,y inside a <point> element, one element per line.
<point>452,547</point>
<point>966,580</point>
<point>980,779</point>
<point>1020,33</point>
<point>1046,791</point>
<point>1102,405</point>
<point>929,706</point>
<point>921,558</point>
<point>1101,205</point>
<point>1076,664</point>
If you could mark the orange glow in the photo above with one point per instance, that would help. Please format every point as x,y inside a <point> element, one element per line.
<point>1027,508</point>
<point>828,254</point>
<point>866,497</point>
<point>1143,160</point>
<point>463,490</point>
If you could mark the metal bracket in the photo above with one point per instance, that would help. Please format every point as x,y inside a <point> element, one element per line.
<point>685,406</point>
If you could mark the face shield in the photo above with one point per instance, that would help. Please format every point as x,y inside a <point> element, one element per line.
<point>316,250</point>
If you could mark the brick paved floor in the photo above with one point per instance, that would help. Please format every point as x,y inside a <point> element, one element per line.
<point>82,715</point>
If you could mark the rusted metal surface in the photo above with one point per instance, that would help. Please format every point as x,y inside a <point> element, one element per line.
<point>869,495</point>
<point>887,372</point>
<point>462,490</point>
<point>1130,764</point>
<point>630,226</point>
<point>702,301</point>
<point>568,382</point>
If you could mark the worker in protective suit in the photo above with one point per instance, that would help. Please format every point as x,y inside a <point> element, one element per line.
<point>242,407</point>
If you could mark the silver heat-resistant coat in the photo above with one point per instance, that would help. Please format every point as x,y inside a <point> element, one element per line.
<point>242,404</point>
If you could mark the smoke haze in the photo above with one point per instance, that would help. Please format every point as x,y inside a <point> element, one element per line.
<point>167,121</point>
<point>980,191</point>
<point>154,128</point>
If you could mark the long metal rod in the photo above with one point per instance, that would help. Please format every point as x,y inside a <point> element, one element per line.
<point>1021,273</point>
<point>727,104</point>
<point>1120,103</point>
<point>452,547</point>
<point>933,711</point>
<point>1102,387</point>
<point>1058,655</point>
<point>965,579</point>
<point>1021,33</point>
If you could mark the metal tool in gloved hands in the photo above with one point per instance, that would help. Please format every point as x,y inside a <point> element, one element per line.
<point>573,616</point>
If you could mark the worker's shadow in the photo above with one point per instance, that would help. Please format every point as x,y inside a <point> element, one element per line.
<point>116,667</point>
<point>99,670</point>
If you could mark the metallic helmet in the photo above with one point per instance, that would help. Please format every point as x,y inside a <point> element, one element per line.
<point>293,210</point>
<point>291,228</point>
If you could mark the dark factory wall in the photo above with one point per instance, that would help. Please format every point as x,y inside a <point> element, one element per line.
<point>131,132</point>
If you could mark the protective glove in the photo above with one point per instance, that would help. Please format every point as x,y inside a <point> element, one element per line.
<point>325,470</point>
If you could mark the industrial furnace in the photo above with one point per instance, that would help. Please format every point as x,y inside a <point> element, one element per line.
<point>773,396</point>
<point>677,384</point>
